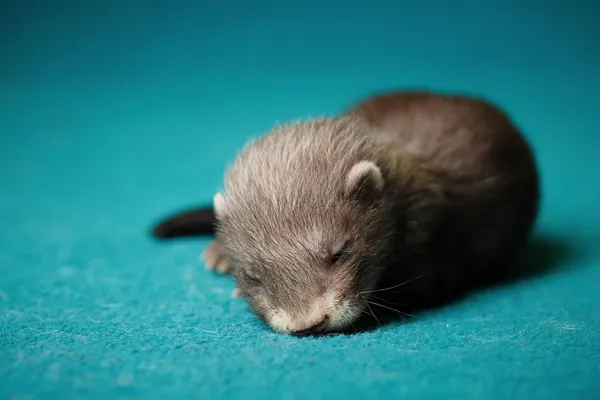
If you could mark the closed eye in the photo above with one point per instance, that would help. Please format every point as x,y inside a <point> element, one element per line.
<point>252,279</point>
<point>335,257</point>
<point>337,254</point>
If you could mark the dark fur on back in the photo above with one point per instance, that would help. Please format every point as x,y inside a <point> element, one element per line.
<point>489,177</point>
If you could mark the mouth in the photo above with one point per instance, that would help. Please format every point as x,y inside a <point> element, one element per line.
<point>318,330</point>
<point>341,320</point>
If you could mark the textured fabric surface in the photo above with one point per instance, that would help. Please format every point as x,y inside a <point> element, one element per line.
<point>115,113</point>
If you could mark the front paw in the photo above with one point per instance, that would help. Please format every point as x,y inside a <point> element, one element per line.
<point>215,258</point>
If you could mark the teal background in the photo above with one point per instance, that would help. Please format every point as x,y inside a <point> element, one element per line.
<point>114,113</point>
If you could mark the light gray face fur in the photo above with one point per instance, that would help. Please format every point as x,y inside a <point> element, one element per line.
<point>302,218</point>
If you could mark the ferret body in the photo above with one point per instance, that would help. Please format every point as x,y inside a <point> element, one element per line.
<point>415,193</point>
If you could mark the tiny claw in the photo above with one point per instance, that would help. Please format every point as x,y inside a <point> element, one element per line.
<point>236,293</point>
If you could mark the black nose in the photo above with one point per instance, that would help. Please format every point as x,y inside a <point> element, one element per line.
<point>314,330</point>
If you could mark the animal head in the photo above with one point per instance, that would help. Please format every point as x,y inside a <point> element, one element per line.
<point>301,219</point>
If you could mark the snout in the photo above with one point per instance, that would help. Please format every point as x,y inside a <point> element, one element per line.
<point>327,313</point>
<point>300,324</point>
<point>313,330</point>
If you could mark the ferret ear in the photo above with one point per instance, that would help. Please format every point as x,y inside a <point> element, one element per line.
<point>364,180</point>
<point>219,206</point>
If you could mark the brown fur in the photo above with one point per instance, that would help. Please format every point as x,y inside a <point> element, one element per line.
<point>459,198</point>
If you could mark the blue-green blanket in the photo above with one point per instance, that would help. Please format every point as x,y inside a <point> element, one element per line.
<point>114,113</point>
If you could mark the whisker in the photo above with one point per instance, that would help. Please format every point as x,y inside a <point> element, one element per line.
<point>392,287</point>
<point>391,309</point>
<point>367,314</point>
<point>372,313</point>
<point>386,301</point>
<point>353,327</point>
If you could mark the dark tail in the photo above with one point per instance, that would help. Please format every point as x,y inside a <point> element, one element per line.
<point>191,222</point>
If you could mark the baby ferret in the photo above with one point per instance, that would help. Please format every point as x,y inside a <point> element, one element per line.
<point>421,192</point>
